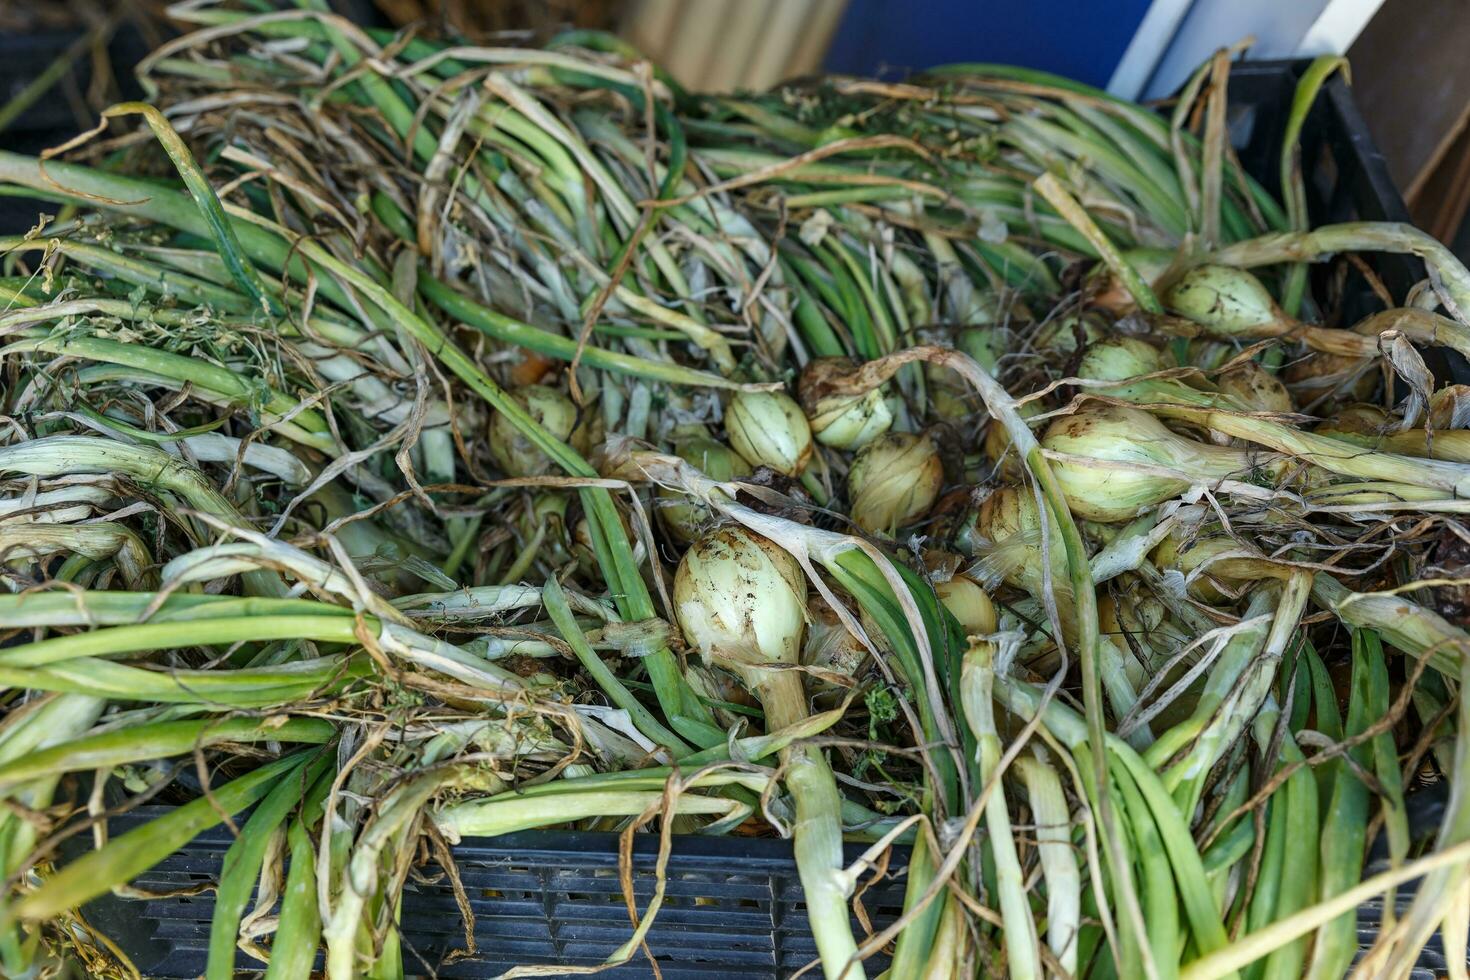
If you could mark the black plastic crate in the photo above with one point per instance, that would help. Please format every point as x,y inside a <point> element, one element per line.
<point>1346,179</point>
<point>734,905</point>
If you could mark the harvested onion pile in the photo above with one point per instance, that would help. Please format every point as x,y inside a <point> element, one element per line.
<point>408,441</point>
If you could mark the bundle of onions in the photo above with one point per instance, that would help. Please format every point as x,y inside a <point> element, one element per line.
<point>366,419</point>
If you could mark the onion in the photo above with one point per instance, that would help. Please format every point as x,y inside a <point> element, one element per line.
<point>987,344</point>
<point>683,515</point>
<point>839,419</point>
<point>1121,439</point>
<point>1119,359</point>
<point>1009,511</point>
<point>1229,303</point>
<point>893,481</point>
<point>968,603</point>
<point>741,598</point>
<point>1140,615</point>
<point>1316,374</point>
<point>545,515</point>
<point>1010,521</point>
<point>1126,360</point>
<point>997,444</point>
<point>768,429</point>
<point>1255,389</point>
<point>829,645</point>
<point>584,547</point>
<point>1360,419</point>
<point>1220,414</point>
<point>1449,408</point>
<point>515,454</point>
<point>1066,334</point>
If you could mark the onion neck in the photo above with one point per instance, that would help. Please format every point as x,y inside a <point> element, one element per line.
<point>1453,445</point>
<point>817,831</point>
<point>1199,459</point>
<point>1337,455</point>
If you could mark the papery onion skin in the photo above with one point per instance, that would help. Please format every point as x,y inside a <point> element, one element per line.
<point>768,428</point>
<point>894,481</point>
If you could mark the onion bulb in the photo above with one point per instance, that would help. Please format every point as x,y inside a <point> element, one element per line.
<point>1229,303</point>
<point>545,515</point>
<point>1255,389</point>
<point>1011,522</point>
<point>768,429</point>
<point>968,603</point>
<point>1066,334</point>
<point>740,598</point>
<point>986,344</point>
<point>683,515</point>
<point>1119,359</point>
<point>1449,408</point>
<point>1352,377</point>
<point>1127,360</point>
<point>1138,616</point>
<point>839,419</point>
<point>997,444</point>
<point>829,645</point>
<point>1359,419</point>
<point>512,451</point>
<point>986,339</point>
<point>893,481</point>
<point>1113,444</point>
